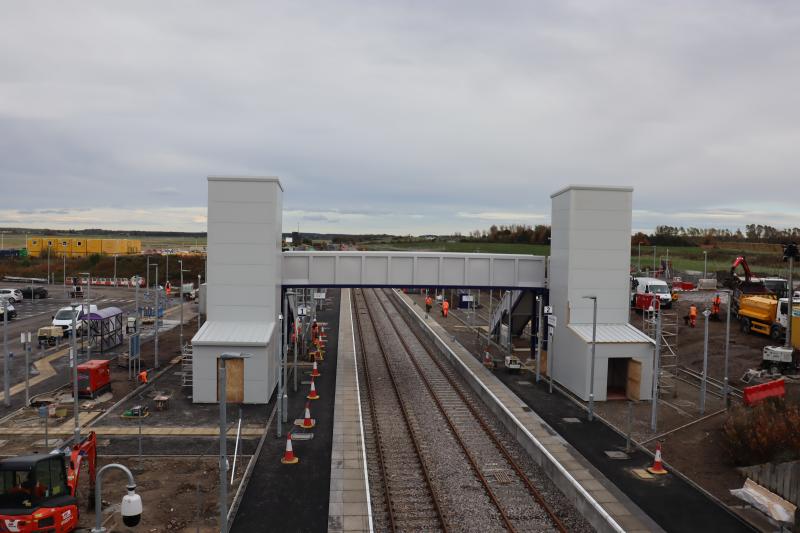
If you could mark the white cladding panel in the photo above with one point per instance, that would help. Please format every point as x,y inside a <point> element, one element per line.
<point>403,269</point>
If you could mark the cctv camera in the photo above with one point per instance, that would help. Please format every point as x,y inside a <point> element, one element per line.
<point>131,508</point>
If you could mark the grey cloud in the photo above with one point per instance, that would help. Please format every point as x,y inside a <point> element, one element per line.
<point>434,110</point>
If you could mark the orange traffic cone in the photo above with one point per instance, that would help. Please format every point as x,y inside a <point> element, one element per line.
<point>315,371</point>
<point>312,395</point>
<point>307,422</point>
<point>657,467</point>
<point>288,455</point>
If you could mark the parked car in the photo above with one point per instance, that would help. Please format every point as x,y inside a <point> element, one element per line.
<point>63,318</point>
<point>14,295</point>
<point>12,313</point>
<point>34,293</point>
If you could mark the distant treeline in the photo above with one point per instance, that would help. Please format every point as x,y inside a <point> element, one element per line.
<point>753,233</point>
<point>98,231</point>
<point>514,233</point>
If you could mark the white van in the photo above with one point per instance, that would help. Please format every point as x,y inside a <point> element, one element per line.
<point>63,318</point>
<point>654,286</point>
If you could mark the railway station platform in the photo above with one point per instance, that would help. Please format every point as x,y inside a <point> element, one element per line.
<point>602,503</point>
<point>349,506</point>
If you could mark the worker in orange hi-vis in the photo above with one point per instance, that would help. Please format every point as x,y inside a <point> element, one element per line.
<point>445,308</point>
<point>168,288</point>
<point>428,304</point>
<point>314,331</point>
<point>693,315</point>
<point>143,376</point>
<point>715,305</point>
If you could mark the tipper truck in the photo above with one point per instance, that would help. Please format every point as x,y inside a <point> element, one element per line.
<point>765,314</point>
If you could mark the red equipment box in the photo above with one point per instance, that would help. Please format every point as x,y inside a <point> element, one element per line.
<point>94,377</point>
<point>757,393</point>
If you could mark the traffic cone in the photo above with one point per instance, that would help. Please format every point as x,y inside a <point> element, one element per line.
<point>288,455</point>
<point>307,422</point>
<point>315,371</point>
<point>312,395</point>
<point>657,467</point>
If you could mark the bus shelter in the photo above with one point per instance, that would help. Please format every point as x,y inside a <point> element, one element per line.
<point>105,327</point>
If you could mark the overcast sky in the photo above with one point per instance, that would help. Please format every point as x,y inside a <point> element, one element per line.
<point>403,117</point>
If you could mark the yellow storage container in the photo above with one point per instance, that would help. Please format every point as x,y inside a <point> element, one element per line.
<point>77,247</point>
<point>63,246</point>
<point>796,330</point>
<point>134,246</point>
<point>34,246</point>
<point>94,246</point>
<point>109,246</point>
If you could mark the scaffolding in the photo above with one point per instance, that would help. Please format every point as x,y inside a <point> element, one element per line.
<point>186,365</point>
<point>668,362</point>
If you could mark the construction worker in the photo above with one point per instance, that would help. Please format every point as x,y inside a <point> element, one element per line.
<point>693,315</point>
<point>445,308</point>
<point>428,304</point>
<point>143,376</point>
<point>715,305</point>
<point>314,331</point>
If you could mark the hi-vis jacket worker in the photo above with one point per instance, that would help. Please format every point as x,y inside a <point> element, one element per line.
<point>715,305</point>
<point>445,308</point>
<point>693,315</point>
<point>428,303</point>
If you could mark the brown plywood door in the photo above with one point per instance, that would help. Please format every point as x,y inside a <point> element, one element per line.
<point>234,382</point>
<point>634,384</point>
<point>542,363</point>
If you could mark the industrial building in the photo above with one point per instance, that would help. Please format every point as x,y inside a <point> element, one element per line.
<point>248,276</point>
<point>79,246</point>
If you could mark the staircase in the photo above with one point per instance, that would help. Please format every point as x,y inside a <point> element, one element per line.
<point>522,305</point>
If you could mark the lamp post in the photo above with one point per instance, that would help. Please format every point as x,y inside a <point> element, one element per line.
<point>48,265</point>
<point>656,370</point>
<point>223,452</point>
<point>115,270</point>
<point>790,253</point>
<point>594,345</point>
<point>639,268</point>
<point>7,365</point>
<point>74,363</point>
<point>180,292</point>
<point>725,388</point>
<point>131,508</point>
<point>155,340</point>
<point>3,240</point>
<point>705,264</point>
<point>88,332</point>
<point>703,383</point>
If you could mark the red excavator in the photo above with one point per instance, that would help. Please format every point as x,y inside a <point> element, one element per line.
<point>742,287</point>
<point>38,492</point>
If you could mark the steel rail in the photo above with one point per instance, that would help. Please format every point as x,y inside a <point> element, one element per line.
<point>456,433</point>
<point>534,492</point>
<point>414,437</point>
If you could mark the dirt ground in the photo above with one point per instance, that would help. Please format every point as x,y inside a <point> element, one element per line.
<point>177,494</point>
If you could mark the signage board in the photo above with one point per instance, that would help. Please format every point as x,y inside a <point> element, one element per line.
<point>548,309</point>
<point>551,320</point>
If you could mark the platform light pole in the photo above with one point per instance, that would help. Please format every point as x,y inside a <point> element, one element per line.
<point>223,438</point>
<point>639,269</point>
<point>656,370</point>
<point>155,340</point>
<point>7,359</point>
<point>3,239</point>
<point>703,383</point>
<point>88,304</point>
<point>594,346</point>
<point>705,264</point>
<point>74,363</point>
<point>790,253</point>
<point>180,293</point>
<point>115,270</point>
<point>48,265</point>
<point>725,387</point>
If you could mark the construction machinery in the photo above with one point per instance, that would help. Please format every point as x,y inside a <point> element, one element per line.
<point>749,285</point>
<point>764,314</point>
<point>38,492</point>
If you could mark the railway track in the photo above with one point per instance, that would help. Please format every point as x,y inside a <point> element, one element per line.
<point>464,473</point>
<point>714,387</point>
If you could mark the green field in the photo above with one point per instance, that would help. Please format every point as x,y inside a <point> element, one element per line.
<point>461,247</point>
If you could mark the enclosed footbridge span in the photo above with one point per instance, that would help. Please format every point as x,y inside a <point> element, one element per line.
<point>413,270</point>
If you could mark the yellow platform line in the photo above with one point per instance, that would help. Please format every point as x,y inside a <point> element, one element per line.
<point>45,369</point>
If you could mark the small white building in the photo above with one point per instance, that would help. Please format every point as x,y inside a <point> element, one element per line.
<point>243,289</point>
<point>590,256</point>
